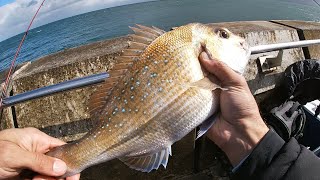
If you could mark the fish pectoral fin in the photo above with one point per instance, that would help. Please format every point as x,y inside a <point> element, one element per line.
<point>206,125</point>
<point>148,162</point>
<point>208,84</point>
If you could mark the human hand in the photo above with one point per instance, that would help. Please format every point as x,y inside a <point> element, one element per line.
<point>239,127</point>
<point>24,149</point>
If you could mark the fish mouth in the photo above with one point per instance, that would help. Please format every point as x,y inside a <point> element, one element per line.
<point>247,50</point>
<point>206,50</point>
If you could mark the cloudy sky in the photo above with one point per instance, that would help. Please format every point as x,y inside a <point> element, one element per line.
<point>15,15</point>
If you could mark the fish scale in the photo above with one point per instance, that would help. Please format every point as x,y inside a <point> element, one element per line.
<point>181,108</point>
<point>156,94</point>
<point>155,87</point>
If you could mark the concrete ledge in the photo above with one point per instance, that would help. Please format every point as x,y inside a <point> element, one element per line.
<point>306,31</point>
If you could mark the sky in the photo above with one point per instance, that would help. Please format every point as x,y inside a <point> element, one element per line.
<point>15,15</point>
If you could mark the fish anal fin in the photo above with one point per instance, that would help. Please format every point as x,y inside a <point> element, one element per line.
<point>148,162</point>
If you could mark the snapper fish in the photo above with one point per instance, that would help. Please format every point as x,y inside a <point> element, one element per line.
<point>156,94</point>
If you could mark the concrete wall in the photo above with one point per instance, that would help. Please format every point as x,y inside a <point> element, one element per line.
<point>65,115</point>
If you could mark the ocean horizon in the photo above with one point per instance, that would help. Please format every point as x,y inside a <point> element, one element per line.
<point>114,22</point>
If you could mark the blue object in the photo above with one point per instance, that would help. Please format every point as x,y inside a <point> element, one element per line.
<point>56,88</point>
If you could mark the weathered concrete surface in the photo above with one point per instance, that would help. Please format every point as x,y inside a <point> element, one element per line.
<point>7,115</point>
<point>6,119</point>
<point>310,30</point>
<point>3,74</point>
<point>66,116</point>
<point>76,55</point>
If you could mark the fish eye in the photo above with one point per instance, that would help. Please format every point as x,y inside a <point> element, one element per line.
<point>223,33</point>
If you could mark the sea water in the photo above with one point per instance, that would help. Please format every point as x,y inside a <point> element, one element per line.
<point>112,22</point>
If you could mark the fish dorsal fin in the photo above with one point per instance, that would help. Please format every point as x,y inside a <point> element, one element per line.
<point>142,38</point>
<point>153,30</point>
<point>99,98</point>
<point>173,28</point>
<point>148,162</point>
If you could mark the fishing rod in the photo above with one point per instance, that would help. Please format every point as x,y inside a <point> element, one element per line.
<point>316,2</point>
<point>288,45</point>
<point>12,66</point>
<point>99,78</point>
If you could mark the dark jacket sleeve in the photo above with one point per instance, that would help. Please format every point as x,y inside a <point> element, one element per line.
<point>274,159</point>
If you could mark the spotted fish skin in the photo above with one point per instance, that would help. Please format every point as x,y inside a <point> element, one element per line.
<point>156,102</point>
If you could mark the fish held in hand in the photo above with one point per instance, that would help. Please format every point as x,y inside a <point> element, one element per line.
<point>156,94</point>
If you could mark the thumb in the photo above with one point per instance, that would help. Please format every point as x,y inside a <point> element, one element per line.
<point>43,164</point>
<point>222,71</point>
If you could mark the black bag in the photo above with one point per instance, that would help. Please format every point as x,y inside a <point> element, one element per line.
<point>302,81</point>
<point>301,84</point>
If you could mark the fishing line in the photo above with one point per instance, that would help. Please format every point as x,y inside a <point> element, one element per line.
<point>8,77</point>
<point>316,2</point>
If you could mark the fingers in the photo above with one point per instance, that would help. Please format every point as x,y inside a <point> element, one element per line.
<point>41,177</point>
<point>13,159</point>
<point>24,148</point>
<point>225,74</point>
<point>39,137</point>
<point>75,177</point>
<point>42,164</point>
<point>48,141</point>
<point>31,139</point>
